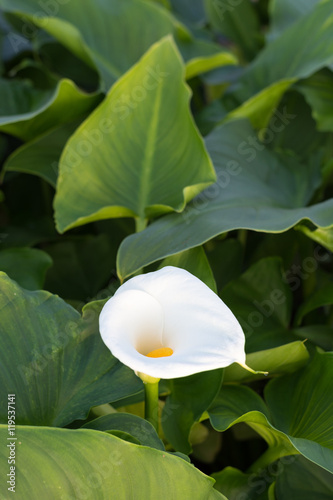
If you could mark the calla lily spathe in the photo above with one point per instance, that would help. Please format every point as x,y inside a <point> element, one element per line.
<point>169,324</point>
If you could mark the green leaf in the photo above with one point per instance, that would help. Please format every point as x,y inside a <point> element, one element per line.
<point>63,463</point>
<point>302,480</point>
<point>237,21</point>
<point>195,262</point>
<point>60,61</point>
<point>301,406</point>
<point>191,11</point>
<point>165,3</point>
<point>99,34</point>
<point>321,297</point>
<point>300,136</point>
<point>256,189</point>
<point>62,367</point>
<point>319,335</point>
<point>259,108</point>
<point>292,477</point>
<point>82,266</point>
<point>284,13</point>
<point>277,361</point>
<point>27,112</point>
<point>41,155</point>
<point>294,54</point>
<point>203,56</point>
<point>238,486</point>
<point>318,91</point>
<point>320,235</point>
<point>298,416</point>
<point>137,427</point>
<point>189,399</point>
<point>27,266</point>
<point>210,116</point>
<point>261,301</point>
<point>226,259</point>
<point>99,180</point>
<point>235,404</point>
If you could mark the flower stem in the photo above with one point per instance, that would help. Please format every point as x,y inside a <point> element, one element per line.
<point>140,224</point>
<point>151,403</point>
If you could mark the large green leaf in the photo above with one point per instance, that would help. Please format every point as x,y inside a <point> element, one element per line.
<point>297,418</point>
<point>301,406</point>
<point>63,463</point>
<point>27,112</point>
<point>256,189</point>
<point>54,360</point>
<point>145,112</point>
<point>237,404</point>
<point>107,34</point>
<point>189,398</point>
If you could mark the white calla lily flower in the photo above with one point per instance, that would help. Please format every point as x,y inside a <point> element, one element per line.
<point>169,324</point>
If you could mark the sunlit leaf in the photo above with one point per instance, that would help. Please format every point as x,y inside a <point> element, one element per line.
<point>146,111</point>
<point>74,463</point>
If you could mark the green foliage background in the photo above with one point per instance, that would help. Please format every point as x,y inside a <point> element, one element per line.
<point>136,134</point>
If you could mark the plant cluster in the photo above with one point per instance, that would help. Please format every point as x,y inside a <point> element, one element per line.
<point>141,134</point>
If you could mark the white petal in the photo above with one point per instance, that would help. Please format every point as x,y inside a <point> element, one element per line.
<point>202,331</point>
<point>131,325</point>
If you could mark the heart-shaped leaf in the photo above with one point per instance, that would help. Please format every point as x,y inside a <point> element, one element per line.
<point>256,189</point>
<point>146,112</point>
<point>83,463</point>
<point>297,418</point>
<point>62,367</point>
